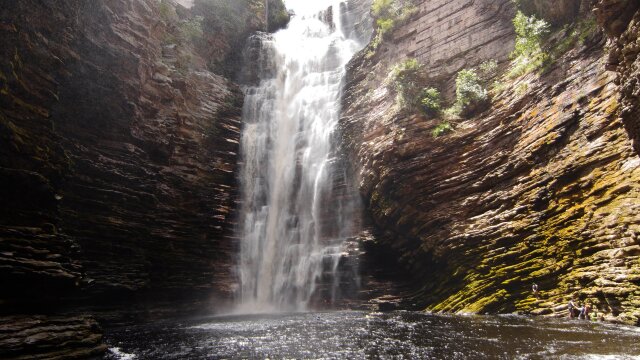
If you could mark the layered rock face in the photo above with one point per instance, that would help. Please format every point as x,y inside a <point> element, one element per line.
<point>621,21</point>
<point>542,187</point>
<point>448,36</point>
<point>130,155</point>
<point>118,155</point>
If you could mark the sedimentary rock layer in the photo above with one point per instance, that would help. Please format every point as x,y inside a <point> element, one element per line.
<point>113,144</point>
<point>543,187</point>
<point>621,20</point>
<point>41,337</point>
<point>118,150</point>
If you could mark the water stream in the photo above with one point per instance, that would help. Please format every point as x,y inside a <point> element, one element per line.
<point>295,215</point>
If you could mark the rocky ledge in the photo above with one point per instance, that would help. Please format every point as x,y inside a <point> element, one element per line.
<point>45,337</point>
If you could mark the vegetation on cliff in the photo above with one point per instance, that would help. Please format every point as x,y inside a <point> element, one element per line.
<point>542,186</point>
<point>389,14</point>
<point>414,95</point>
<point>528,54</point>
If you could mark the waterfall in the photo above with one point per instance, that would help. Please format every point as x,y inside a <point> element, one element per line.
<point>297,207</point>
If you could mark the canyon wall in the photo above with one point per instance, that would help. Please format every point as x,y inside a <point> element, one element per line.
<point>542,187</point>
<point>118,155</point>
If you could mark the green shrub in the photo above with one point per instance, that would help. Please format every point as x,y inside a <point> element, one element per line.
<point>407,78</point>
<point>468,88</point>
<point>431,103</point>
<point>453,112</point>
<point>441,129</point>
<point>406,71</point>
<point>488,69</point>
<point>498,87</point>
<point>278,15</point>
<point>528,54</point>
<point>529,31</point>
<point>471,95</point>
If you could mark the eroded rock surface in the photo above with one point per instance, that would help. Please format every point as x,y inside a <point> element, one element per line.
<point>118,151</point>
<point>543,187</point>
<point>621,20</point>
<point>42,337</point>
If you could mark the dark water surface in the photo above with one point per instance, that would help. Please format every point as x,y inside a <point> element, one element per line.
<point>360,335</point>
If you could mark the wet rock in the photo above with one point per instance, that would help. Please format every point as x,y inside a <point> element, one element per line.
<point>385,303</point>
<point>45,337</point>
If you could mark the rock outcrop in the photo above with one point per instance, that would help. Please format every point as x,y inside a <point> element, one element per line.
<point>44,337</point>
<point>621,21</point>
<point>118,152</point>
<point>542,187</point>
<point>113,144</point>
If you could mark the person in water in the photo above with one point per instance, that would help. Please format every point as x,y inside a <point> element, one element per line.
<point>572,308</point>
<point>534,289</point>
<point>584,311</point>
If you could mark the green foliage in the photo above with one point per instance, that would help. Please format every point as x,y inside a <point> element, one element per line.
<point>453,112</point>
<point>488,69</point>
<point>407,79</point>
<point>278,15</point>
<point>382,8</point>
<point>385,26</point>
<point>192,28</point>
<point>388,14</point>
<point>431,103</point>
<point>441,129</point>
<point>530,32</point>
<point>528,54</point>
<point>406,71</point>
<point>498,87</point>
<point>471,94</point>
<point>468,88</point>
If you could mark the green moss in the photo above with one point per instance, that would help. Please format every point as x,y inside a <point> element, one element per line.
<point>442,129</point>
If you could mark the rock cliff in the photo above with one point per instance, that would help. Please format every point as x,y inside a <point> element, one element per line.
<point>118,154</point>
<point>119,130</point>
<point>541,187</point>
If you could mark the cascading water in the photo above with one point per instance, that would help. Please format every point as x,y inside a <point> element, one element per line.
<point>296,213</point>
